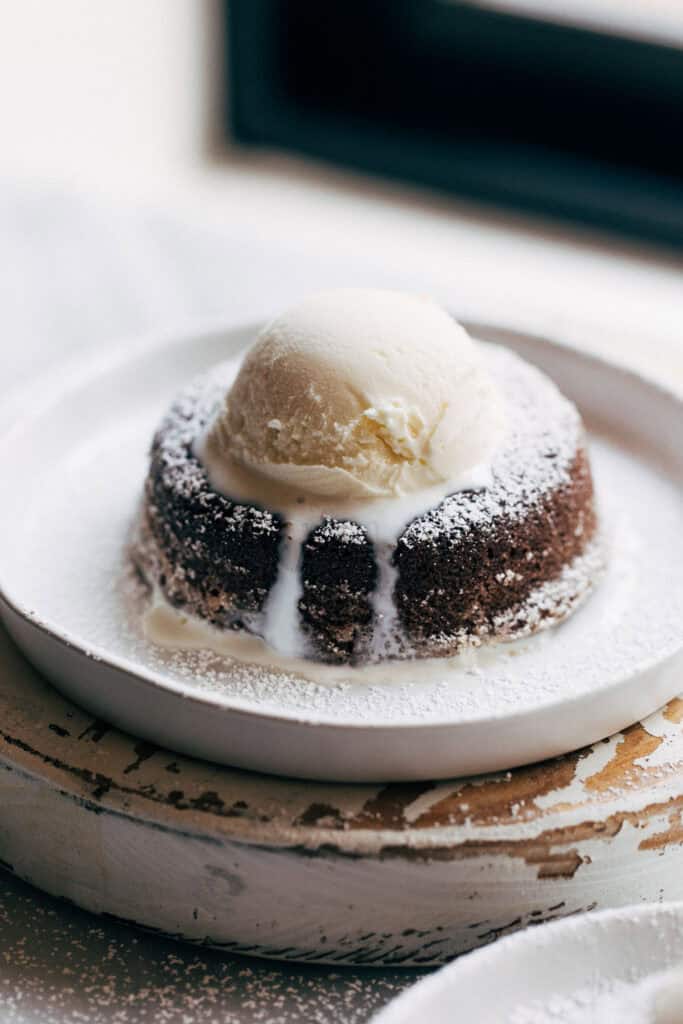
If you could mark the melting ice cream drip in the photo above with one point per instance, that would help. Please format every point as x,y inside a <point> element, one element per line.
<point>386,633</point>
<point>282,619</point>
<point>375,405</point>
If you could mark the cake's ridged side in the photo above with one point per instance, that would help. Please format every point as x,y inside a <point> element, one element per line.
<point>459,585</point>
<point>215,557</point>
<point>497,563</point>
<point>339,573</point>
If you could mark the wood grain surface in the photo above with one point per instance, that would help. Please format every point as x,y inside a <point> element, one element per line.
<point>404,873</point>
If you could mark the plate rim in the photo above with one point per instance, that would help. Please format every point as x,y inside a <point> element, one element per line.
<point>76,372</point>
<point>399,1009</point>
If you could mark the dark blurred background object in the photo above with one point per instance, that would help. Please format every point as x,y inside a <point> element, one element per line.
<point>573,121</point>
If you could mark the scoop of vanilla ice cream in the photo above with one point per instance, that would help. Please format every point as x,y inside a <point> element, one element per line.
<point>360,393</point>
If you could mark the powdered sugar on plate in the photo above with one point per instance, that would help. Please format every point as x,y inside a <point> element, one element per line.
<point>608,1002</point>
<point>79,577</point>
<point>620,966</point>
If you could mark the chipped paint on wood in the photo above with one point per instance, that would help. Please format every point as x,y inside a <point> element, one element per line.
<point>674,711</point>
<point>216,850</point>
<point>623,771</point>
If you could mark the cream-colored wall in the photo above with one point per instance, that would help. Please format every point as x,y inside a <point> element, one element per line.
<point>118,96</point>
<point>123,85</point>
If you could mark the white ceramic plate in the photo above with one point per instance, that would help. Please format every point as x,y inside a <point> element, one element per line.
<point>585,969</point>
<point>74,461</point>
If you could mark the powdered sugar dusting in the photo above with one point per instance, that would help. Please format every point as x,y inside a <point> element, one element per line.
<point>80,579</point>
<point>190,412</point>
<point>60,965</point>
<point>618,966</point>
<point>544,433</point>
<point>78,522</point>
<point>607,1002</point>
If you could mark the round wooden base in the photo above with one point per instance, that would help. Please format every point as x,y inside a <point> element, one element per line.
<point>394,874</point>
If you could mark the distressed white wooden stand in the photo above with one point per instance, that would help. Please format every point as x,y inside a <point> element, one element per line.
<point>409,873</point>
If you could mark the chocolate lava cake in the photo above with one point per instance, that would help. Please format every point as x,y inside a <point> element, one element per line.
<point>496,563</point>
